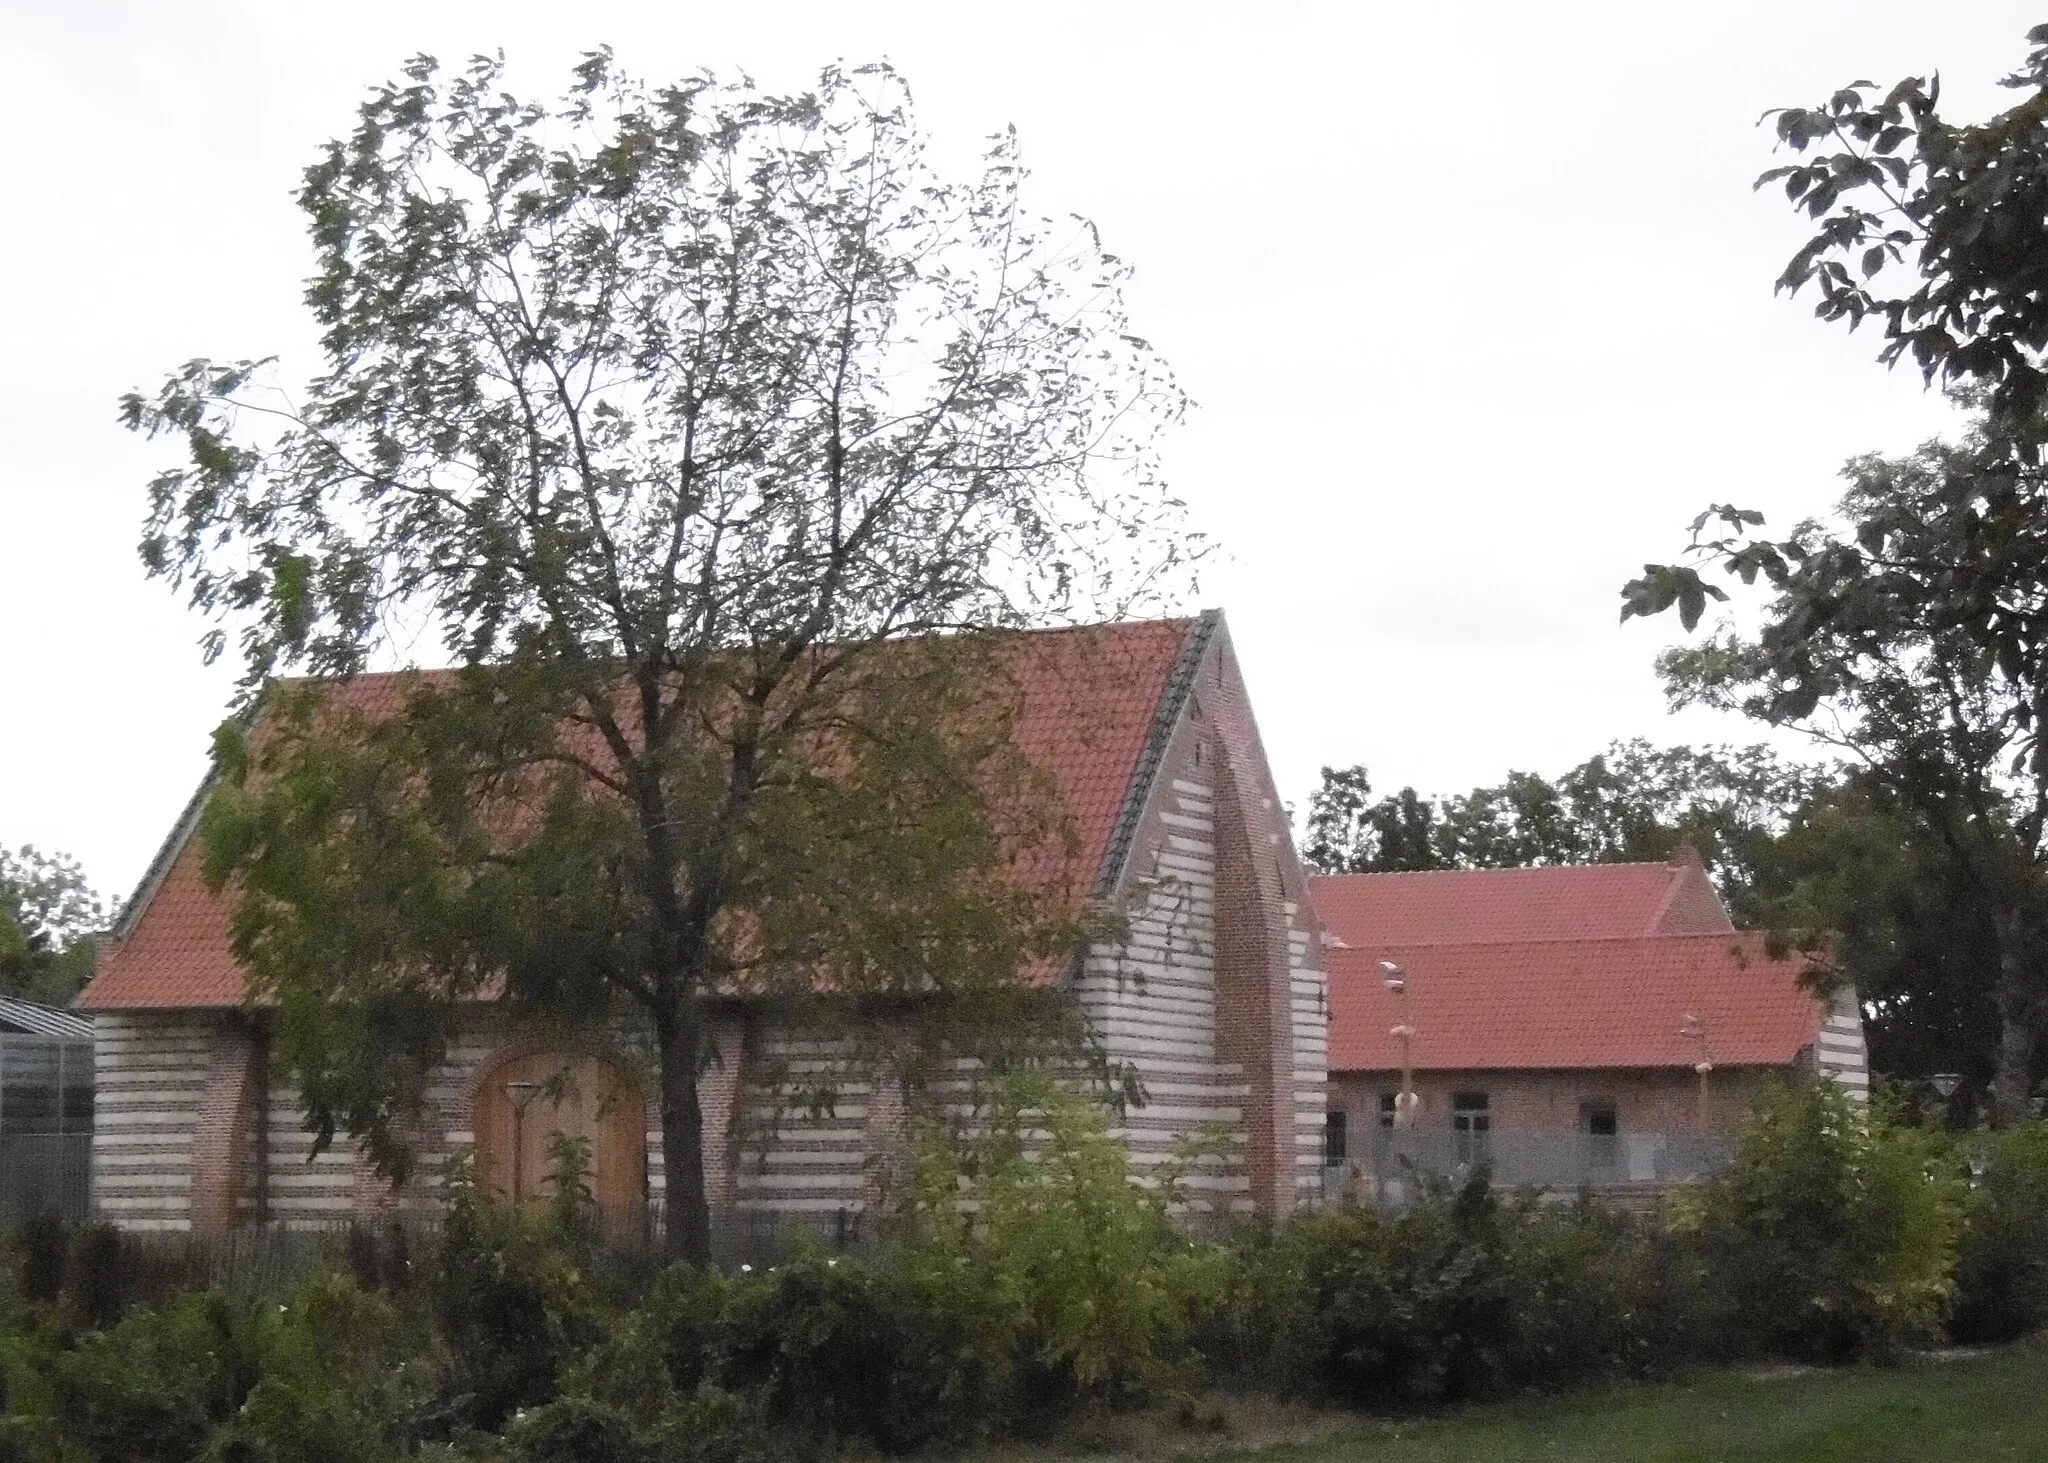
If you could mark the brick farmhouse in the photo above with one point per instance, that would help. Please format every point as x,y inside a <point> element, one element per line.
<point>1559,1018</point>
<point>1213,998</point>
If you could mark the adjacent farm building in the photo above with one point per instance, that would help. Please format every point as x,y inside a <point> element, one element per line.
<point>1604,1024</point>
<point>1212,1001</point>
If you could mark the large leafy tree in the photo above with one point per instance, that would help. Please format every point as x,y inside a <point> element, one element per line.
<point>49,915</point>
<point>685,419</point>
<point>1862,881</point>
<point>1913,631</point>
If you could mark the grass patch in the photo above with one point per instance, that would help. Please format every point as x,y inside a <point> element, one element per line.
<point>1982,1409</point>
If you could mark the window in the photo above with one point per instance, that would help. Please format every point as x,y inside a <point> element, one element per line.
<point>1470,1123</point>
<point>1390,1103</point>
<point>1333,1139</point>
<point>1601,1121</point>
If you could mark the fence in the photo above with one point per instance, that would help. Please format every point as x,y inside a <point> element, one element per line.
<point>46,1101</point>
<point>270,1260</point>
<point>1561,1162</point>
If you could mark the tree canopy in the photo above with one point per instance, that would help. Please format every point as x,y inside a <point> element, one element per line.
<point>49,915</point>
<point>1633,802</point>
<point>1912,632</point>
<point>704,430</point>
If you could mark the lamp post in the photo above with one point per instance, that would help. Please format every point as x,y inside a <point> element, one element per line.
<point>1694,1029</point>
<point>520,1094</point>
<point>1403,1031</point>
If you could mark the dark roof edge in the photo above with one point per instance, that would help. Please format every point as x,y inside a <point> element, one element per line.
<point>160,866</point>
<point>181,833</point>
<point>1172,703</point>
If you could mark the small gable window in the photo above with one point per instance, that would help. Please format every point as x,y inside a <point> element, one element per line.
<point>1334,1139</point>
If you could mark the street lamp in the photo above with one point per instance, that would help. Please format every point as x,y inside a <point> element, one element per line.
<point>520,1094</point>
<point>1694,1029</point>
<point>1403,1031</point>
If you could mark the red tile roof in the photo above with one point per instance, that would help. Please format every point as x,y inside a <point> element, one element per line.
<point>1560,1004</point>
<point>1483,906</point>
<point>1089,698</point>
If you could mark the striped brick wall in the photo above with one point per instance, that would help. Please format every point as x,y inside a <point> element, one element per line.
<point>150,1073</point>
<point>1839,1051</point>
<point>1225,1030</point>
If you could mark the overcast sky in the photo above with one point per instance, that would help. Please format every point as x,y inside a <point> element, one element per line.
<point>1475,300</point>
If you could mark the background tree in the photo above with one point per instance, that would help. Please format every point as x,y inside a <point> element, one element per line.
<point>1349,833</point>
<point>675,414</point>
<point>1860,878</point>
<point>1915,632</point>
<point>49,915</point>
<point>1632,803</point>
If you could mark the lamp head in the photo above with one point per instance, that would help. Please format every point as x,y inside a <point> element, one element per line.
<point>521,1093</point>
<point>1395,977</point>
<point>1946,1083</point>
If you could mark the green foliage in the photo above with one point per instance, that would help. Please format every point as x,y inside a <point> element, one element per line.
<point>158,1386</point>
<point>1061,1248</point>
<point>1833,1233</point>
<point>2002,1270</point>
<point>1860,881</point>
<point>1631,803</point>
<point>700,524</point>
<point>48,917</point>
<point>345,1377</point>
<point>1912,630</point>
<point>1462,1296</point>
<point>512,1298</point>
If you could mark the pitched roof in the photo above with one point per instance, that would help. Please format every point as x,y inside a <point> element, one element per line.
<point>1089,702</point>
<point>1560,1004</point>
<point>1481,906</point>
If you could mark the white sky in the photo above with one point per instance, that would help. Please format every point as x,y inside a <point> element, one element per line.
<point>1475,300</point>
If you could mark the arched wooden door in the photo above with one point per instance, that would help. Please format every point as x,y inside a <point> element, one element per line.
<point>523,1102</point>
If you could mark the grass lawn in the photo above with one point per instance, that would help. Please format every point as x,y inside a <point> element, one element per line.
<point>1957,1411</point>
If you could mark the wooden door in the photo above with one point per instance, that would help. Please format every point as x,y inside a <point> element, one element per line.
<point>524,1102</point>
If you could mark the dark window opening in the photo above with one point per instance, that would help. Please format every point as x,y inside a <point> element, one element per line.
<point>1333,1139</point>
<point>1601,1120</point>
<point>1390,1103</point>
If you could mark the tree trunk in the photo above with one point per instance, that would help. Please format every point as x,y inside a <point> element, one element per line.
<point>678,1036</point>
<point>2018,1031</point>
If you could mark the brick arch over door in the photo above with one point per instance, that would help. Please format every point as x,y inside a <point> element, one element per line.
<point>527,1094</point>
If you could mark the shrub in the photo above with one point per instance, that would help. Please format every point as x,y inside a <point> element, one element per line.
<point>1063,1251</point>
<point>1597,1295</point>
<point>844,1352</point>
<point>1833,1231</point>
<point>344,1377</point>
<point>100,1280</point>
<point>155,1387</point>
<point>41,1251</point>
<point>2002,1270</point>
<point>512,1301</point>
<point>1407,1311</point>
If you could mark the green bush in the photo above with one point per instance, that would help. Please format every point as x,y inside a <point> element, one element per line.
<point>1833,1231</point>
<point>2002,1270</point>
<point>344,1376</point>
<point>1063,1260</point>
<point>155,1388</point>
<point>511,1295</point>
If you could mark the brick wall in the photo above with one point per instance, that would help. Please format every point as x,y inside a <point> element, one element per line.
<point>1659,1100</point>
